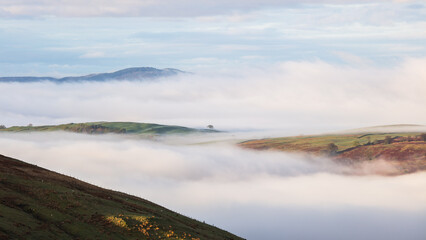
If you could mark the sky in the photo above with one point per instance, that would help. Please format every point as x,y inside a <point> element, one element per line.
<point>59,38</point>
<point>309,66</point>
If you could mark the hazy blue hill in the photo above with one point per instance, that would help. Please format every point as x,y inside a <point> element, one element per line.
<point>137,73</point>
<point>109,127</point>
<point>26,79</point>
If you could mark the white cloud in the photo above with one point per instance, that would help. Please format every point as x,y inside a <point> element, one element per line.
<point>308,96</point>
<point>232,174</point>
<point>251,193</point>
<point>353,60</point>
<point>93,55</point>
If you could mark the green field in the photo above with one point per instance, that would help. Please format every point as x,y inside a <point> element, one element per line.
<point>39,204</point>
<point>110,127</point>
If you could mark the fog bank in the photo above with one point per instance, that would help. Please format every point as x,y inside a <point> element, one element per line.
<point>256,194</point>
<point>297,97</point>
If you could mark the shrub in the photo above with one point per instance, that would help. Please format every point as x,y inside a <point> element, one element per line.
<point>332,148</point>
<point>388,140</point>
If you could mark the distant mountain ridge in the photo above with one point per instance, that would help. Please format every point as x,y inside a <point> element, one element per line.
<point>136,73</point>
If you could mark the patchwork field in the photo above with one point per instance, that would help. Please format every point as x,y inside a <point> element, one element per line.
<point>406,151</point>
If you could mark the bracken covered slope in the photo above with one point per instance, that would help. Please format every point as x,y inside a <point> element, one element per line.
<point>406,152</point>
<point>36,203</point>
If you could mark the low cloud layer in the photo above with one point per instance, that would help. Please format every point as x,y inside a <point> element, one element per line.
<point>299,97</point>
<point>250,193</point>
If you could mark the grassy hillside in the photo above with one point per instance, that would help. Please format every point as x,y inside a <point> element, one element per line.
<point>405,150</point>
<point>110,127</point>
<point>39,204</point>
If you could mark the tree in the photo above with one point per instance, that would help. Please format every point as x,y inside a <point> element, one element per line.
<point>332,148</point>
<point>30,125</point>
<point>2,126</point>
<point>388,140</point>
<point>423,137</point>
<point>210,126</point>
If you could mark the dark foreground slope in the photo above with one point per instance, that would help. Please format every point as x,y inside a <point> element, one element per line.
<point>39,204</point>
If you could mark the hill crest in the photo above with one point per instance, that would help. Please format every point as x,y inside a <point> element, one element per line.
<point>110,127</point>
<point>135,73</point>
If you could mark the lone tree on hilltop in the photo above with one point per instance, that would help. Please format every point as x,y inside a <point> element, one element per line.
<point>332,148</point>
<point>210,126</point>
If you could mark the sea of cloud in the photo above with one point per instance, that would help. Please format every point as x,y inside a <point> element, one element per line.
<point>255,194</point>
<point>258,195</point>
<point>297,97</point>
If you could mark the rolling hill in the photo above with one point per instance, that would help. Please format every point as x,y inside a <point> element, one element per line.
<point>406,151</point>
<point>137,73</point>
<point>110,127</point>
<point>36,203</point>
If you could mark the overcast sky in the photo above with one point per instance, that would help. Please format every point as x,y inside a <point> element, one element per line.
<point>258,64</point>
<point>79,37</point>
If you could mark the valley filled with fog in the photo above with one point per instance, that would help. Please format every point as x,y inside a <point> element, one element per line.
<point>80,80</point>
<point>255,194</point>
